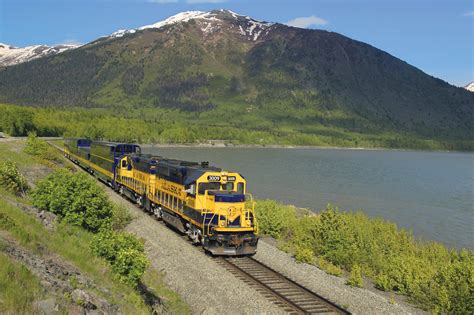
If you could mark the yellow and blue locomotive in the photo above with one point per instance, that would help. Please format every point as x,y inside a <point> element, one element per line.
<point>207,203</point>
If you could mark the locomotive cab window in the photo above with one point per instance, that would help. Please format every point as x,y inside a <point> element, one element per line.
<point>208,186</point>
<point>228,186</point>
<point>124,163</point>
<point>240,188</point>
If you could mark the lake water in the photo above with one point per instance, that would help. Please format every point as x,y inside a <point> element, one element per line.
<point>431,193</point>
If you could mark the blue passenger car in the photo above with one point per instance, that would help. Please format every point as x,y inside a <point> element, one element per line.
<point>105,156</point>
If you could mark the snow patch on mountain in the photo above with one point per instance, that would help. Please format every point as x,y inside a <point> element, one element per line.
<point>470,87</point>
<point>10,55</point>
<point>183,17</point>
<point>209,23</point>
<point>120,33</point>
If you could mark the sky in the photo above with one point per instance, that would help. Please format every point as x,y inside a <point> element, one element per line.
<point>436,36</point>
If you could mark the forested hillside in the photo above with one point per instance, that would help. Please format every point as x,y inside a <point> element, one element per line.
<point>230,75</point>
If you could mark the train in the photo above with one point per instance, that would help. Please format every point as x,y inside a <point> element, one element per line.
<point>209,204</point>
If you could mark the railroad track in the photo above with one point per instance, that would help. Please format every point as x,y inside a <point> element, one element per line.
<point>286,293</point>
<point>282,291</point>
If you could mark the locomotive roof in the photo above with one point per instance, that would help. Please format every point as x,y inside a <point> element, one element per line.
<point>112,144</point>
<point>183,172</point>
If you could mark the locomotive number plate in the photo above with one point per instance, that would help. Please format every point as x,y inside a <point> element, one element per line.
<point>214,178</point>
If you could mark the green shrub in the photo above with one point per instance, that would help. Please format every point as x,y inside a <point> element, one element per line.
<point>75,198</point>
<point>120,218</point>
<point>35,146</point>
<point>124,252</point>
<point>38,147</point>
<point>108,243</point>
<point>430,274</point>
<point>355,278</point>
<point>336,240</point>
<point>329,267</point>
<point>382,282</point>
<point>451,289</point>
<point>273,218</point>
<point>12,179</point>
<point>130,266</point>
<point>304,255</point>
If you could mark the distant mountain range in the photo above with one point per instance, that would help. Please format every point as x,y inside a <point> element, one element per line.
<point>470,87</point>
<point>234,68</point>
<point>10,55</point>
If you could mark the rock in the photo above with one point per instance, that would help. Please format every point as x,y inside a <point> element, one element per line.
<point>77,310</point>
<point>80,297</point>
<point>45,283</point>
<point>47,306</point>
<point>47,218</point>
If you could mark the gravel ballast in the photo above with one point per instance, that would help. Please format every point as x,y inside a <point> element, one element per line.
<point>207,287</point>
<point>210,289</point>
<point>356,300</point>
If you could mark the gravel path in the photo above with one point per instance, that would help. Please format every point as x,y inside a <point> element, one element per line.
<point>356,300</point>
<point>210,289</point>
<point>206,286</point>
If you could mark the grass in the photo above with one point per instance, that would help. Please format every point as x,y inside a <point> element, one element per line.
<point>170,299</point>
<point>73,245</point>
<point>19,288</point>
<point>13,151</point>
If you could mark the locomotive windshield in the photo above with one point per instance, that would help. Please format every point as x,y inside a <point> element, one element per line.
<point>208,186</point>
<point>215,186</point>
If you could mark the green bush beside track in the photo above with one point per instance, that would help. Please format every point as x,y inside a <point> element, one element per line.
<point>75,198</point>
<point>430,274</point>
<point>124,252</point>
<point>78,200</point>
<point>11,179</point>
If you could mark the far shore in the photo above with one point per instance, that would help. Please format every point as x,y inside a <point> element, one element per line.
<point>279,146</point>
<point>220,144</point>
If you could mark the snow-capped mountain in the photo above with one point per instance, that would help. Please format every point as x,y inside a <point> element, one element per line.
<point>221,62</point>
<point>470,87</point>
<point>209,22</point>
<point>10,55</point>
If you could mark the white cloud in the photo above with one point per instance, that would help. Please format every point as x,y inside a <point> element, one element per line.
<point>162,1</point>
<point>306,21</point>
<point>205,1</point>
<point>471,13</point>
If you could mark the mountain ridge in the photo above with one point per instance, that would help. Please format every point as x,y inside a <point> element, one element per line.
<point>470,87</point>
<point>11,55</point>
<point>251,74</point>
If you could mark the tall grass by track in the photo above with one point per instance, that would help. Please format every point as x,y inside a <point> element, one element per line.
<point>433,276</point>
<point>71,243</point>
<point>18,287</point>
